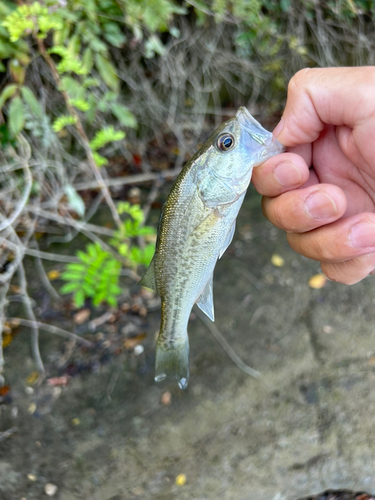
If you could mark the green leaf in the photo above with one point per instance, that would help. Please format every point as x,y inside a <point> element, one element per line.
<point>75,266</point>
<point>124,115</point>
<point>115,290</point>
<point>154,46</point>
<point>62,122</point>
<point>70,287</point>
<point>7,93</point>
<point>71,86</point>
<point>74,200</point>
<point>104,136</point>
<point>99,160</point>
<point>87,60</point>
<point>91,82</point>
<point>113,35</point>
<point>80,104</point>
<point>108,72</point>
<point>88,289</point>
<point>32,102</point>
<point>79,298</point>
<point>92,250</point>
<point>112,301</point>
<point>99,297</point>
<point>285,5</point>
<point>16,117</point>
<point>148,253</point>
<point>146,230</point>
<point>72,276</point>
<point>84,257</point>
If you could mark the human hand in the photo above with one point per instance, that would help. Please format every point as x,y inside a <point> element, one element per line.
<point>328,211</point>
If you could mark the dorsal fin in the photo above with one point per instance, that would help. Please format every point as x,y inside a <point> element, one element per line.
<point>148,278</point>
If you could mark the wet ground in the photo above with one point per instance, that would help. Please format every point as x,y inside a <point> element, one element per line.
<point>307,426</point>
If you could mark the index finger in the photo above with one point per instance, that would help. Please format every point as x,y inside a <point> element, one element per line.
<point>335,96</point>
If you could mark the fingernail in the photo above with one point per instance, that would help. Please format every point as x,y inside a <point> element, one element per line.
<point>362,235</point>
<point>287,174</point>
<point>320,206</point>
<point>278,128</point>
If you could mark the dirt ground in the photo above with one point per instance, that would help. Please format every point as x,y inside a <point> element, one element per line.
<point>306,426</point>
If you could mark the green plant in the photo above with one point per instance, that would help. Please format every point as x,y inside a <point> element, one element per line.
<point>96,276</point>
<point>132,229</point>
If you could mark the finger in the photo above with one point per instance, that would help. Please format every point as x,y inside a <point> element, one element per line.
<point>350,271</point>
<point>325,96</point>
<point>302,210</point>
<point>340,241</point>
<point>279,174</point>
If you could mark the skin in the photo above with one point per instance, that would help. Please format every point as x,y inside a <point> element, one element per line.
<point>322,190</point>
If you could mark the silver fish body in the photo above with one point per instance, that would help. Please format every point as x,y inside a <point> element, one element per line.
<point>196,226</point>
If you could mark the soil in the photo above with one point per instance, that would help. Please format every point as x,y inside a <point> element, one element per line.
<point>306,426</point>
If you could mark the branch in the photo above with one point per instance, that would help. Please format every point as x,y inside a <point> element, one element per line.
<point>224,344</point>
<point>29,181</point>
<point>129,179</point>
<point>30,313</point>
<point>79,127</point>
<point>51,329</point>
<point>70,222</point>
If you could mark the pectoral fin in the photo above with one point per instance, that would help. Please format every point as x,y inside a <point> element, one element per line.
<point>228,239</point>
<point>205,301</point>
<point>148,278</point>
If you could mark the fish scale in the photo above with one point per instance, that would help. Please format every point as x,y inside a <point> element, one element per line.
<point>196,226</point>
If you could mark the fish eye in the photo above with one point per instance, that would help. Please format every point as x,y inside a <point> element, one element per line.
<point>225,142</point>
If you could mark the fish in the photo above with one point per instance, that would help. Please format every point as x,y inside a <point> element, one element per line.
<point>196,226</point>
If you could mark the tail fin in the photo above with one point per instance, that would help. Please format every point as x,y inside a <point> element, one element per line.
<point>173,360</point>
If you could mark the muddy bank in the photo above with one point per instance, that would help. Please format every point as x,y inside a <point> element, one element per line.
<point>306,426</point>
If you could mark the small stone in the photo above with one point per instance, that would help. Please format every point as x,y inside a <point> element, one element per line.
<point>277,260</point>
<point>31,477</point>
<point>180,480</point>
<point>317,281</point>
<point>76,421</point>
<point>50,489</point>
<point>81,316</point>
<point>166,398</point>
<point>327,329</point>
<point>53,275</point>
<point>137,491</point>
<point>32,408</point>
<point>138,349</point>
<point>134,195</point>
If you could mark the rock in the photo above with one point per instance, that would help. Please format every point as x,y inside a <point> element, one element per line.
<point>50,489</point>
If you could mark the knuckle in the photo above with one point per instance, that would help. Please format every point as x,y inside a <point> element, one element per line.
<point>331,272</point>
<point>298,81</point>
<point>342,272</point>
<point>277,214</point>
<point>326,252</point>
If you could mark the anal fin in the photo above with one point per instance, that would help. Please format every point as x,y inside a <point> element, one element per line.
<point>205,301</point>
<point>148,278</point>
<point>228,239</point>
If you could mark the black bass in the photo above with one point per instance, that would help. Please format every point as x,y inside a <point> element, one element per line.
<point>196,226</point>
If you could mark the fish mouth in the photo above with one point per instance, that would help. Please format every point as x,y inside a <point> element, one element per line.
<point>244,118</point>
<point>269,146</point>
